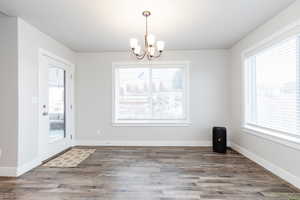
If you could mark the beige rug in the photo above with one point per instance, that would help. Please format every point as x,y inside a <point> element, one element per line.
<point>71,158</point>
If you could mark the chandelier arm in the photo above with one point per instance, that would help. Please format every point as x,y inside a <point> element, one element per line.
<point>140,57</point>
<point>149,57</point>
<point>158,55</point>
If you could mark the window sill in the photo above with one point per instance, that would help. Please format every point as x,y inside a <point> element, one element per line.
<point>287,140</point>
<point>152,124</point>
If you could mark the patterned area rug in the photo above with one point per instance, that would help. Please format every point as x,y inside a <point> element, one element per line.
<point>71,158</point>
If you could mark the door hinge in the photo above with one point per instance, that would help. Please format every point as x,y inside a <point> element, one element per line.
<point>71,76</point>
<point>71,136</point>
<point>71,106</point>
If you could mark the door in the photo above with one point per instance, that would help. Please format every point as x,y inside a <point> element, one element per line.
<point>55,102</point>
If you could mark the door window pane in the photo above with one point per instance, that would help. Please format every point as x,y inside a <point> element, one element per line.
<point>56,103</point>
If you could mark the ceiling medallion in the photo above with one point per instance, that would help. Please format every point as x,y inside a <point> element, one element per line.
<point>150,51</point>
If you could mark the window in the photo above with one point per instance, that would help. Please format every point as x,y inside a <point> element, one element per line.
<point>151,93</point>
<point>57,84</point>
<point>273,89</point>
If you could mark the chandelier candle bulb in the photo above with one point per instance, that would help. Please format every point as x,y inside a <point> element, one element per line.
<point>151,40</point>
<point>137,50</point>
<point>160,46</point>
<point>152,51</point>
<point>133,43</point>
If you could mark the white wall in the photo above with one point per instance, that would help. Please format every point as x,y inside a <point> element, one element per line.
<point>19,60</point>
<point>208,100</point>
<point>30,40</point>
<point>284,160</point>
<point>8,93</point>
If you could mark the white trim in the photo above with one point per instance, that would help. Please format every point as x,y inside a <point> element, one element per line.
<point>20,170</point>
<point>28,166</point>
<point>143,143</point>
<point>285,33</point>
<point>184,122</point>
<point>282,173</point>
<point>70,124</point>
<point>44,52</point>
<point>152,63</point>
<point>151,124</point>
<point>276,36</point>
<point>283,139</point>
<point>8,172</point>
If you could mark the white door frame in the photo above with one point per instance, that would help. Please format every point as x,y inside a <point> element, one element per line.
<point>45,153</point>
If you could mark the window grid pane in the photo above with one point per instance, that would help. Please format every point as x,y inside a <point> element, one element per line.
<point>134,97</point>
<point>167,93</point>
<point>150,93</point>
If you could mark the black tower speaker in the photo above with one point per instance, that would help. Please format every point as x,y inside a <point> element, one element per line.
<point>219,140</point>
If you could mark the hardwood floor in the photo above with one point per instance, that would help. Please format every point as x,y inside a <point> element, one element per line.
<point>151,173</point>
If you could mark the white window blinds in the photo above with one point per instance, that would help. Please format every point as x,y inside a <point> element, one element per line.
<point>273,88</point>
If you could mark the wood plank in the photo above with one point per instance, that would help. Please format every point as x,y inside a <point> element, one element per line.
<point>154,173</point>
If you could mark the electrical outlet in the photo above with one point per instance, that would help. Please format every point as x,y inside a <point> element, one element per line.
<point>98,132</point>
<point>0,153</point>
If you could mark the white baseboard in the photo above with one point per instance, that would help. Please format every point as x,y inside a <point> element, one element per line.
<point>18,171</point>
<point>282,173</point>
<point>28,166</point>
<point>142,143</point>
<point>8,171</point>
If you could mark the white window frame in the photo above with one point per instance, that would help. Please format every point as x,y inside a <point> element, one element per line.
<point>266,133</point>
<point>152,64</point>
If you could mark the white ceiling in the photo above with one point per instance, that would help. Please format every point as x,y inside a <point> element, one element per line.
<point>107,25</point>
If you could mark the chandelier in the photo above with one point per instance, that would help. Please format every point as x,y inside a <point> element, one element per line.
<point>151,51</point>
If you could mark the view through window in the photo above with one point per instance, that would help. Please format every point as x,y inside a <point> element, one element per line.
<point>151,93</point>
<point>56,103</point>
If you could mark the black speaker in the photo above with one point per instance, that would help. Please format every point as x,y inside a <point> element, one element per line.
<point>219,139</point>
